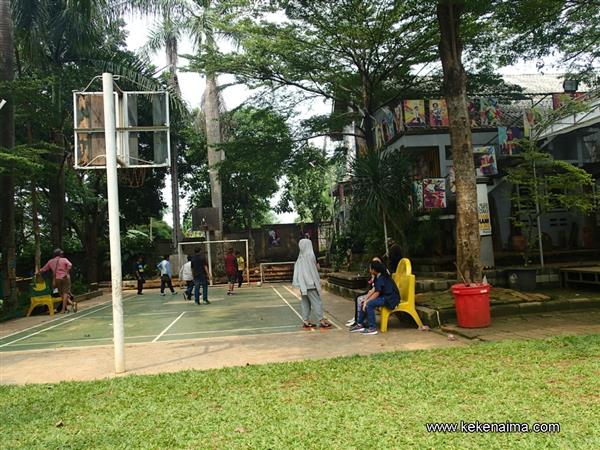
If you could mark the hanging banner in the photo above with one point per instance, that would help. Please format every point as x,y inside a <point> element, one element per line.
<point>483,208</point>
<point>434,193</point>
<point>414,113</point>
<point>489,112</point>
<point>528,121</point>
<point>473,107</point>
<point>485,161</point>
<point>438,113</point>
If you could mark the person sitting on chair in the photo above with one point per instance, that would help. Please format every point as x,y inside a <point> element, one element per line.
<point>385,293</point>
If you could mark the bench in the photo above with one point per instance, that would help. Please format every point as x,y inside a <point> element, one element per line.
<point>405,281</point>
<point>41,294</point>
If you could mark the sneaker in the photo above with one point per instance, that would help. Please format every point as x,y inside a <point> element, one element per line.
<point>351,323</point>
<point>369,331</point>
<point>162,294</point>
<point>206,302</point>
<point>357,328</point>
<point>174,293</point>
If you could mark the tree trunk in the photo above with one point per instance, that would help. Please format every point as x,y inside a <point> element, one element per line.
<point>56,190</point>
<point>467,220</point>
<point>213,139</point>
<point>36,227</point>
<point>171,50</point>
<point>7,141</point>
<point>91,250</point>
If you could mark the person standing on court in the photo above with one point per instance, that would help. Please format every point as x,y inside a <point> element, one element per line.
<point>307,279</point>
<point>164,268</point>
<point>186,274</point>
<point>241,265</point>
<point>139,269</point>
<point>201,276</point>
<point>61,278</point>
<point>231,270</point>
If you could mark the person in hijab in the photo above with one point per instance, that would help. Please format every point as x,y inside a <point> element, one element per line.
<point>306,278</point>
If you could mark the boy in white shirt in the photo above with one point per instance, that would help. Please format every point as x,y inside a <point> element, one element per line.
<point>186,274</point>
<point>164,268</point>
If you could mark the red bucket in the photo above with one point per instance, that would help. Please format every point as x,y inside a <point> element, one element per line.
<point>472,305</point>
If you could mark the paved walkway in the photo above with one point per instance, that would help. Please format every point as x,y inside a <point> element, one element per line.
<point>88,363</point>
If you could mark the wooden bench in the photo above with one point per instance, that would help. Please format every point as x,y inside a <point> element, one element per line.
<point>405,281</point>
<point>41,294</point>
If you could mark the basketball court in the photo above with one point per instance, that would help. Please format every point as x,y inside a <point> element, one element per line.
<point>153,318</point>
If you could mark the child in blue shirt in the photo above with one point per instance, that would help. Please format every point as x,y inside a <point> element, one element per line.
<point>384,293</point>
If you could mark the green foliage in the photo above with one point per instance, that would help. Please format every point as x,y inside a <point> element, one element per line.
<point>313,404</point>
<point>567,29</point>
<point>382,187</point>
<point>257,153</point>
<point>309,176</point>
<point>545,184</point>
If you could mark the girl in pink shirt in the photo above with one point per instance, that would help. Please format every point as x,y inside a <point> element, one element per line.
<point>60,267</point>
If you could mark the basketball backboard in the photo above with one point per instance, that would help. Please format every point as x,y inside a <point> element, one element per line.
<point>205,219</point>
<point>142,126</point>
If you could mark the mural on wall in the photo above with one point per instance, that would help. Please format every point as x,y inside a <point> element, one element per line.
<point>398,123</point>
<point>485,161</point>
<point>473,106</point>
<point>489,112</point>
<point>507,138</point>
<point>434,193</point>
<point>414,113</point>
<point>417,188</point>
<point>389,130</point>
<point>438,113</point>
<point>273,237</point>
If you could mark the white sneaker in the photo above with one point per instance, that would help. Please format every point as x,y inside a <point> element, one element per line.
<point>351,322</point>
<point>162,294</point>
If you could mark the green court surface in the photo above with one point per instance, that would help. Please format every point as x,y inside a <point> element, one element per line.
<point>152,318</point>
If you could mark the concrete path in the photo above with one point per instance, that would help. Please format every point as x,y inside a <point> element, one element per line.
<point>88,363</point>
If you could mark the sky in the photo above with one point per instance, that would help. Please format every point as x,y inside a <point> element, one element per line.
<point>192,87</point>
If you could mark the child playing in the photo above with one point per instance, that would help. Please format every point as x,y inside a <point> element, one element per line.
<point>164,268</point>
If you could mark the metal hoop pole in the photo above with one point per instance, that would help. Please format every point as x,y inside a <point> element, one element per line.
<point>112,183</point>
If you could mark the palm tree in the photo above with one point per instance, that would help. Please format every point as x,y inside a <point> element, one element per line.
<point>382,187</point>
<point>7,141</point>
<point>198,18</point>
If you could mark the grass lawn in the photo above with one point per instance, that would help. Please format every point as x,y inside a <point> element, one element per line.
<point>380,401</point>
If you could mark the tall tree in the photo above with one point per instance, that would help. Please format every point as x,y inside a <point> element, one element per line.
<point>7,141</point>
<point>449,13</point>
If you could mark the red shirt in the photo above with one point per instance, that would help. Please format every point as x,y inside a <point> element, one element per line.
<point>230,264</point>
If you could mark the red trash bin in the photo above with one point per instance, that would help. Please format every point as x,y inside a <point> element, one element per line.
<point>472,305</point>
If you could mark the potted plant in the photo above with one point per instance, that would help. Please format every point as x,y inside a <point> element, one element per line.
<point>542,184</point>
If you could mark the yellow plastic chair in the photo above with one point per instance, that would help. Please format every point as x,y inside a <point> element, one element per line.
<point>405,281</point>
<point>404,268</point>
<point>41,295</point>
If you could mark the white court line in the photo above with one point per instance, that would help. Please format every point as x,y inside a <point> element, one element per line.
<point>167,329</point>
<point>79,316</point>
<point>125,297</point>
<point>286,302</point>
<point>54,320</point>
<point>298,297</point>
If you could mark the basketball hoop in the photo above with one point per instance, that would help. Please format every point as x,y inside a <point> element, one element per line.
<point>132,177</point>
